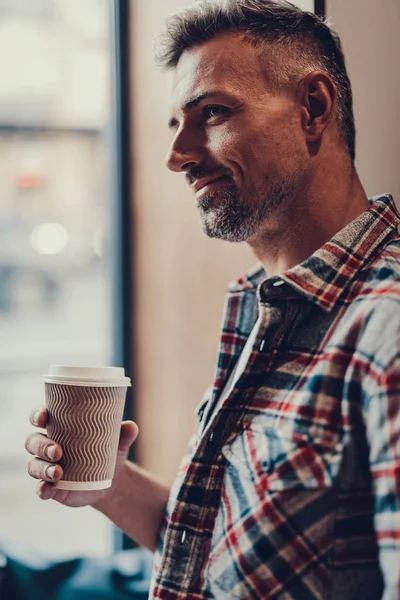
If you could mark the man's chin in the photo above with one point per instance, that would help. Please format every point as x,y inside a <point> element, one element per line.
<point>220,229</point>
<point>208,202</point>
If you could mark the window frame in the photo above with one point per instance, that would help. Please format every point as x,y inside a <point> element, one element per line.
<point>320,8</point>
<point>121,216</point>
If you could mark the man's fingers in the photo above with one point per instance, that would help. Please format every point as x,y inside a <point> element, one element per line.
<point>40,469</point>
<point>39,417</point>
<point>45,490</point>
<point>40,445</point>
<point>129,433</point>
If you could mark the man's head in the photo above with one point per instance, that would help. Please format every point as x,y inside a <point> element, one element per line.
<point>259,86</point>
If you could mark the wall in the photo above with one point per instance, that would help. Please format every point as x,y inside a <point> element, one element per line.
<point>369,31</point>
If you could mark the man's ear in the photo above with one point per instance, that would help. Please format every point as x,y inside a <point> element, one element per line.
<point>318,96</point>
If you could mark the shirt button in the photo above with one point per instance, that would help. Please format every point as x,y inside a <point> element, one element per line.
<point>183,538</point>
<point>262,345</point>
<point>278,283</point>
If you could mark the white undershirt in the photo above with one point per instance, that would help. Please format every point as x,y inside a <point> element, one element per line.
<point>237,371</point>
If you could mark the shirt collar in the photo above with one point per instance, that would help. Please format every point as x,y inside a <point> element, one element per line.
<point>324,276</point>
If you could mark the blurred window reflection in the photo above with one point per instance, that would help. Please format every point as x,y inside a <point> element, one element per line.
<point>305,4</point>
<point>55,304</point>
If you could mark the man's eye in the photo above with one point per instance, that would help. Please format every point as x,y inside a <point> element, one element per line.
<point>214,111</point>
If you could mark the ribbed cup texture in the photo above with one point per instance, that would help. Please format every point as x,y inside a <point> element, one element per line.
<point>86,422</point>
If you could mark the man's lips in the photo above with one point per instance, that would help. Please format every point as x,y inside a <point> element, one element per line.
<point>201,183</point>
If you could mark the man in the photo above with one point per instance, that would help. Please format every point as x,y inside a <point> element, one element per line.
<point>291,485</point>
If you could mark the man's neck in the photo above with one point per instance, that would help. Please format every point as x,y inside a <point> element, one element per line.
<point>295,232</point>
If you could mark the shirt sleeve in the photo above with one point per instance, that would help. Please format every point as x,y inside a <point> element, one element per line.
<point>184,465</point>
<point>383,431</point>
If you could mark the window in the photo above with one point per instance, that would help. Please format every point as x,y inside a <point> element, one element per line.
<point>305,4</point>
<point>55,267</point>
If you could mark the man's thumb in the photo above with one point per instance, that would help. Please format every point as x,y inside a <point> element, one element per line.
<point>129,433</point>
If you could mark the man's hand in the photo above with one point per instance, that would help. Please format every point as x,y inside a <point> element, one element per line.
<point>47,454</point>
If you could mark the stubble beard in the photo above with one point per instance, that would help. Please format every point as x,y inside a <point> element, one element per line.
<point>225,215</point>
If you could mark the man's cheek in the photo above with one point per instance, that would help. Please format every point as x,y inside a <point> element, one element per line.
<point>225,140</point>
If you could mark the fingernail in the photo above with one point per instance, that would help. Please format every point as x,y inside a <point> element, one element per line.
<point>51,452</point>
<point>36,417</point>
<point>50,471</point>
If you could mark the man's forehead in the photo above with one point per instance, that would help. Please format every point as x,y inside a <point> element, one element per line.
<point>223,62</point>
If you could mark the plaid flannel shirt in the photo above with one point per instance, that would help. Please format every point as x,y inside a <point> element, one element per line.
<point>292,491</point>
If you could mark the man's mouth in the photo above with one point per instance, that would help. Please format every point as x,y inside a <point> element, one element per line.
<point>206,182</point>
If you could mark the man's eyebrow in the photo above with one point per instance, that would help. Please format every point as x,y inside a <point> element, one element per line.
<point>192,103</point>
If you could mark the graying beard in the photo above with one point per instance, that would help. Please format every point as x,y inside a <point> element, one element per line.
<point>236,222</point>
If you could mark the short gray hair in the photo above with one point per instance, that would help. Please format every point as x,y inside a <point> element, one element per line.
<point>300,41</point>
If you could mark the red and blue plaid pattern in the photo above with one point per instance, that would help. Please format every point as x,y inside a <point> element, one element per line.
<point>292,491</point>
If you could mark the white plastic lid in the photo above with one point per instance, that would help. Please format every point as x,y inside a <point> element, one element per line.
<point>86,375</point>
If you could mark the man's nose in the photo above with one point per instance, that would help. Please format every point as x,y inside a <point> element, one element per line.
<point>185,153</point>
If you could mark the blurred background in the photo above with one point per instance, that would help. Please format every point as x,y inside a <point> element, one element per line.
<point>55,198</point>
<point>101,257</point>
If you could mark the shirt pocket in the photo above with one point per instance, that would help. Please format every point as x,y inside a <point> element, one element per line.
<point>278,500</point>
<point>279,459</point>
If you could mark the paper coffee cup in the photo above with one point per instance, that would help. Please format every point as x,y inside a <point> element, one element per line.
<point>85,407</point>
